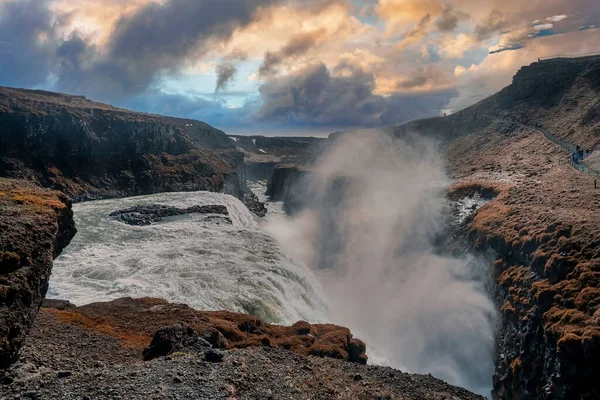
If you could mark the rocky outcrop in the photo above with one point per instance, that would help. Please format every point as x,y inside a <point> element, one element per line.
<point>35,226</point>
<point>175,339</point>
<point>151,214</point>
<point>47,371</point>
<point>135,321</point>
<point>91,150</point>
<point>260,171</point>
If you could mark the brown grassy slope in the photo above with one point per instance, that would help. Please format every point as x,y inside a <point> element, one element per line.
<point>35,225</point>
<point>89,149</point>
<point>134,321</point>
<point>544,224</point>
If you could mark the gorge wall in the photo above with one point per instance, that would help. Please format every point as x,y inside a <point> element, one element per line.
<point>35,226</point>
<point>91,150</point>
<point>543,225</point>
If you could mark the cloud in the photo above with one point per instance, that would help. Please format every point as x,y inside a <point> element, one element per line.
<point>417,33</point>
<point>497,70</point>
<point>296,46</point>
<point>450,19</point>
<point>25,35</point>
<point>397,14</point>
<point>342,97</point>
<point>494,23</point>
<point>156,39</point>
<point>226,72</point>
<point>428,77</point>
<point>556,18</point>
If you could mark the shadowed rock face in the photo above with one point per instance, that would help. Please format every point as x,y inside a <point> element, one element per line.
<point>35,226</point>
<point>91,150</point>
<point>286,184</point>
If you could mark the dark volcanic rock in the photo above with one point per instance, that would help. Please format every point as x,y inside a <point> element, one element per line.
<point>90,150</point>
<point>287,184</point>
<point>178,338</point>
<point>35,226</point>
<point>148,215</point>
<point>214,355</point>
<point>253,204</point>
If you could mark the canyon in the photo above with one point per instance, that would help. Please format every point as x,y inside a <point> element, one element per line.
<point>540,223</point>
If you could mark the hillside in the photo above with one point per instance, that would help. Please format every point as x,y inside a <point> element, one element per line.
<point>544,224</point>
<point>91,150</point>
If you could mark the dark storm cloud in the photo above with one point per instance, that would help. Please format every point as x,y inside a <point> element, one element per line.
<point>25,59</point>
<point>493,24</point>
<point>422,76</point>
<point>157,39</point>
<point>315,96</point>
<point>450,19</point>
<point>414,82</point>
<point>296,46</point>
<point>226,72</point>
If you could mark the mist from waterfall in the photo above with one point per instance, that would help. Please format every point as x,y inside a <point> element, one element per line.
<point>375,206</point>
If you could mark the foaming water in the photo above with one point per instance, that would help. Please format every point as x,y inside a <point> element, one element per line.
<point>206,264</point>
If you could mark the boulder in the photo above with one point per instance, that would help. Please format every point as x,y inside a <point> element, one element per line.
<point>175,339</point>
<point>148,215</point>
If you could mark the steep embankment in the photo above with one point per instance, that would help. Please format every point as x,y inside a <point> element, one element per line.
<point>91,150</point>
<point>544,224</point>
<point>35,226</point>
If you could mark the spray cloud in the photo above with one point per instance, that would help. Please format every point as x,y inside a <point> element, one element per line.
<point>376,205</point>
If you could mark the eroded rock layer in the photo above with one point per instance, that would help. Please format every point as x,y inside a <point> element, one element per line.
<point>35,226</point>
<point>91,150</point>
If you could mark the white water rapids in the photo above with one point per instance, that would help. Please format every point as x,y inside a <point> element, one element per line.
<point>185,259</point>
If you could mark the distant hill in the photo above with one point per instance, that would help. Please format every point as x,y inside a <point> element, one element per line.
<point>563,95</point>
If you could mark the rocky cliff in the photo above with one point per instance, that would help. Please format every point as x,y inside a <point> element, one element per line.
<point>543,225</point>
<point>91,150</point>
<point>265,154</point>
<point>286,184</point>
<point>35,226</point>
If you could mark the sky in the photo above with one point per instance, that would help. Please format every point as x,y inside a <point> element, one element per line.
<point>304,67</point>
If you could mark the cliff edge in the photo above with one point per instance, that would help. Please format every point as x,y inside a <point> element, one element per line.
<point>92,150</point>
<point>35,226</point>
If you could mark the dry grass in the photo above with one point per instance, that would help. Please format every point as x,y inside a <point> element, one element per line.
<point>129,339</point>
